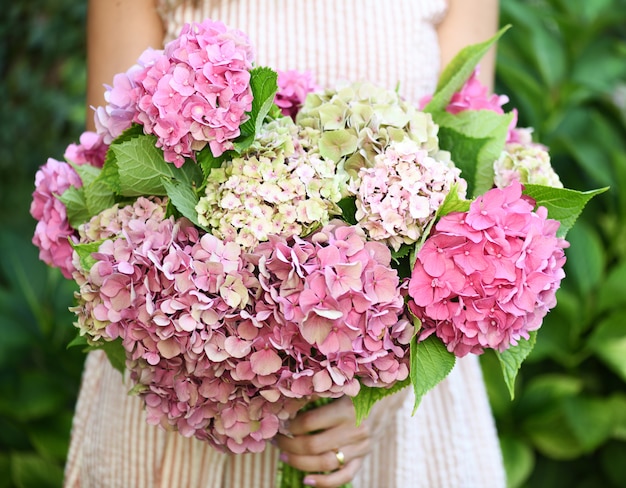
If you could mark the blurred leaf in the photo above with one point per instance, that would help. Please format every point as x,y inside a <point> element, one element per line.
<point>612,457</point>
<point>35,397</point>
<point>497,390</point>
<point>612,291</point>
<point>608,341</point>
<point>585,257</point>
<point>618,402</point>
<point>518,460</point>
<point>546,390</point>
<point>32,471</point>
<point>5,470</point>
<point>51,438</point>
<point>591,420</point>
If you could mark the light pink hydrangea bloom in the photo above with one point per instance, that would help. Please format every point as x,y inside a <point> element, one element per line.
<point>486,278</point>
<point>293,87</point>
<point>53,229</point>
<point>399,196</point>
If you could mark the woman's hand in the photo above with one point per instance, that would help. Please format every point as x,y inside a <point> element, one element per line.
<point>321,437</point>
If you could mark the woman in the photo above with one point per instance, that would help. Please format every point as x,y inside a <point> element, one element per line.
<point>451,441</point>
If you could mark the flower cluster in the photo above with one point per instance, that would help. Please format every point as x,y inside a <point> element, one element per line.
<point>277,187</point>
<point>335,308</point>
<point>53,229</point>
<point>399,196</point>
<point>193,93</point>
<point>486,278</point>
<point>525,161</point>
<point>359,120</point>
<point>226,346</point>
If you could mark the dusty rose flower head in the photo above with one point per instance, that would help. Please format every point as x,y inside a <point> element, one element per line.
<point>487,277</point>
<point>53,228</point>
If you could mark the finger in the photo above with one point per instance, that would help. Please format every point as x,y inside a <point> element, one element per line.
<point>328,460</point>
<point>336,478</point>
<point>323,417</point>
<point>324,441</point>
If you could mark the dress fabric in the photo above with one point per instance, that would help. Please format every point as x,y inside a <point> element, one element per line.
<point>451,441</point>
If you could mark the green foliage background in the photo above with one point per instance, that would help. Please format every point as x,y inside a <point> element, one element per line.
<point>563,65</point>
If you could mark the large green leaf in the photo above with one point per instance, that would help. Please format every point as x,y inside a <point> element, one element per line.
<point>431,362</point>
<point>475,138</point>
<point>33,471</point>
<point>456,73</point>
<point>368,396</point>
<point>519,460</point>
<point>263,82</point>
<point>563,204</point>
<point>511,360</point>
<point>586,257</point>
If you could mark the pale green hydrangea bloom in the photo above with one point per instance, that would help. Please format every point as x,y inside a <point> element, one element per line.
<point>526,163</point>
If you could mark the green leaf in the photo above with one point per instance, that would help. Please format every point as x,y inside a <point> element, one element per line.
<point>263,82</point>
<point>78,340</point>
<point>368,396</point>
<point>608,342</point>
<point>84,252</point>
<point>86,172</point>
<point>75,205</point>
<point>431,362</point>
<point>184,198</point>
<point>348,209</point>
<point>207,161</point>
<point>456,73</point>
<point>511,360</point>
<point>98,197</point>
<point>453,203</point>
<point>32,471</point>
<point>115,352</point>
<point>475,138</point>
<point>141,167</point>
<point>563,204</point>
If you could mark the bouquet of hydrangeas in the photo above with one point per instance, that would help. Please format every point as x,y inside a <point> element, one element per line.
<point>244,241</point>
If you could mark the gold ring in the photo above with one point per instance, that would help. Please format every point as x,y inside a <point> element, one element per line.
<point>341,458</point>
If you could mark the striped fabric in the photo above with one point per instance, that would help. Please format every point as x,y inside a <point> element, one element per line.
<point>451,441</point>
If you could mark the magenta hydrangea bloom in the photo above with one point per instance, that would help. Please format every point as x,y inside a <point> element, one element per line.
<point>293,87</point>
<point>486,278</point>
<point>53,228</point>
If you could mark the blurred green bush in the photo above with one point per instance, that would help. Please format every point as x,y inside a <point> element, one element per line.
<point>42,79</point>
<point>563,65</point>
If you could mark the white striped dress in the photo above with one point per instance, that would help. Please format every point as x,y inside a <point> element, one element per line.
<point>451,441</point>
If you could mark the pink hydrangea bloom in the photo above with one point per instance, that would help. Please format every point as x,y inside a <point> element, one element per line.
<point>226,345</point>
<point>486,278</point>
<point>91,150</point>
<point>293,87</point>
<point>398,197</point>
<point>53,229</point>
<point>335,311</point>
<point>475,96</point>
<point>197,91</point>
